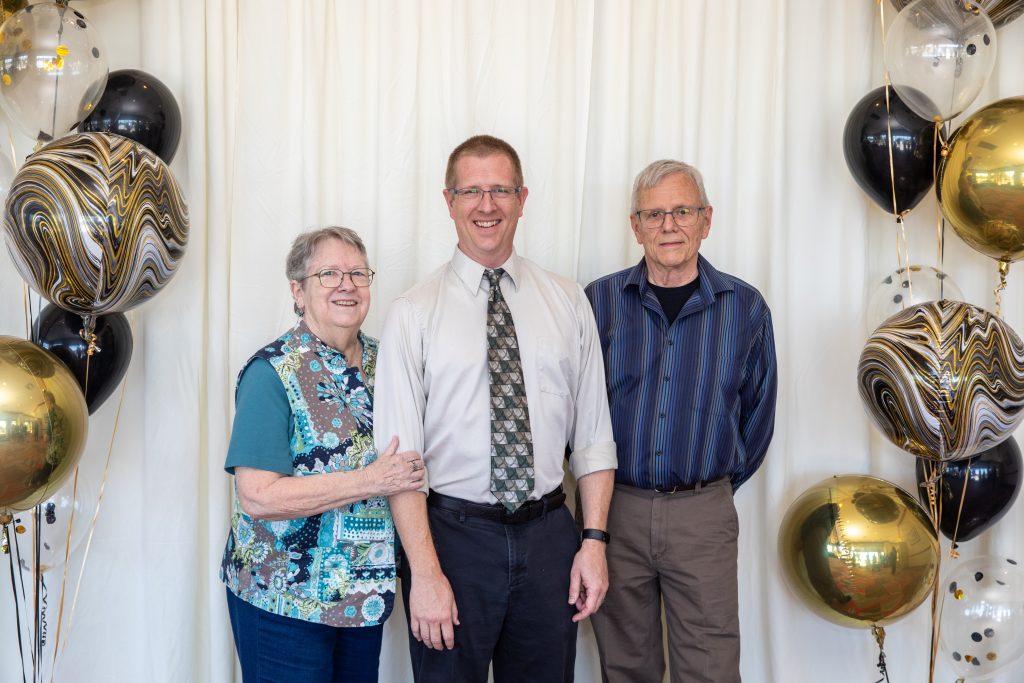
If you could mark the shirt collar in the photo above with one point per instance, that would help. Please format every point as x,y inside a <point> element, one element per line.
<point>471,273</point>
<point>712,282</point>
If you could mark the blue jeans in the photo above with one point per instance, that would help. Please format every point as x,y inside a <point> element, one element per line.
<point>276,649</point>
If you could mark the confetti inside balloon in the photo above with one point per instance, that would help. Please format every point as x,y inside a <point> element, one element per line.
<point>858,551</point>
<point>43,424</point>
<point>939,54</point>
<point>982,621</point>
<point>943,380</point>
<point>1001,12</point>
<point>52,69</point>
<point>96,223</point>
<point>897,291</point>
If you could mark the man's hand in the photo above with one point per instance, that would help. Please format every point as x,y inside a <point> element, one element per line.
<point>588,581</point>
<point>432,611</point>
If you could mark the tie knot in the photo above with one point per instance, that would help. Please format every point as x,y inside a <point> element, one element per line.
<point>494,276</point>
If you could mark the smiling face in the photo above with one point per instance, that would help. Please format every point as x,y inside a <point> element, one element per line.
<point>485,228</point>
<point>671,251</point>
<point>334,315</point>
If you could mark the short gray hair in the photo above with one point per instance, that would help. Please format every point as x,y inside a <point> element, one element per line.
<point>305,244</point>
<point>661,169</point>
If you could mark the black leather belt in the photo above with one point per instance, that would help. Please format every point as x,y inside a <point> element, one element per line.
<point>685,487</point>
<point>531,509</point>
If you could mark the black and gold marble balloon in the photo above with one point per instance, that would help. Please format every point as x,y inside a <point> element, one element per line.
<point>943,380</point>
<point>96,223</point>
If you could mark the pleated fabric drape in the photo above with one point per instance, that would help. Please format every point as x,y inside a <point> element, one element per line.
<point>306,112</point>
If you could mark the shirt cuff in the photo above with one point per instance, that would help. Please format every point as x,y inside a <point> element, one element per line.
<point>593,458</point>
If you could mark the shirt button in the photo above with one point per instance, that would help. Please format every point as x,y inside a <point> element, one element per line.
<point>657,452</point>
<point>666,378</point>
<point>670,342</point>
<point>661,416</point>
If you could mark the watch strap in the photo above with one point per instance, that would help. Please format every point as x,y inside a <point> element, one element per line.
<point>596,535</point>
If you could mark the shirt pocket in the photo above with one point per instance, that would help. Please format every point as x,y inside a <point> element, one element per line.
<point>554,368</point>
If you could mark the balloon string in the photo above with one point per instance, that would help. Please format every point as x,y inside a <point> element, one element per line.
<point>939,150</point>
<point>92,524</point>
<point>5,519</point>
<point>1004,269</point>
<point>901,238</point>
<point>933,473</point>
<point>64,579</point>
<point>63,5</point>
<point>881,21</point>
<point>960,510</point>
<point>37,575</point>
<point>27,306</point>
<point>892,164</point>
<point>879,633</point>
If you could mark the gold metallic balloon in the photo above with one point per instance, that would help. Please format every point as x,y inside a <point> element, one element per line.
<point>859,551</point>
<point>43,424</point>
<point>981,180</point>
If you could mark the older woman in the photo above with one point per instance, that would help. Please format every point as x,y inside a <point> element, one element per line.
<point>310,562</point>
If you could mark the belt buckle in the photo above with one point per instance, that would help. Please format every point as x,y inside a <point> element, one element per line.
<point>669,492</point>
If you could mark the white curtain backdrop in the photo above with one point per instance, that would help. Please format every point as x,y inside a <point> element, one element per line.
<point>306,112</point>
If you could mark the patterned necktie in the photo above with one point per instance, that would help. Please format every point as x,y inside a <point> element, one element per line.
<point>511,440</point>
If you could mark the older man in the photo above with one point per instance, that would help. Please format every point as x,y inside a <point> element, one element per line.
<point>690,363</point>
<point>488,368</point>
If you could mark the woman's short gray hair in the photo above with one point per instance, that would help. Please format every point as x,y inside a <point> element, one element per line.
<point>661,169</point>
<point>305,244</point>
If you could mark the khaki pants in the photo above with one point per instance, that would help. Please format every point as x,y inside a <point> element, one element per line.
<point>680,548</point>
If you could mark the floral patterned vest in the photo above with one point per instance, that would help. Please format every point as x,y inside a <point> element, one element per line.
<point>338,567</point>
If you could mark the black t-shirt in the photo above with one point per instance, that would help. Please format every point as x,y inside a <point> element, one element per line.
<point>673,299</point>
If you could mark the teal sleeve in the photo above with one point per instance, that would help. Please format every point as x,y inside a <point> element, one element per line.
<point>261,434</point>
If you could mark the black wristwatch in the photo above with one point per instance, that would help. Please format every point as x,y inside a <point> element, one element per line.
<point>595,535</point>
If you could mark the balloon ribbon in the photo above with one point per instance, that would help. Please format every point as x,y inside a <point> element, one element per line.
<point>1004,269</point>
<point>5,520</point>
<point>879,633</point>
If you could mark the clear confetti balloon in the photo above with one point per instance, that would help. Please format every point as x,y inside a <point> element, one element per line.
<point>858,551</point>
<point>982,622</point>
<point>939,55</point>
<point>943,380</point>
<point>1001,12</point>
<point>906,287</point>
<point>53,69</point>
<point>65,518</point>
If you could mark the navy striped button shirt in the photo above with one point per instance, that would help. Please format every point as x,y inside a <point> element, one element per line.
<point>691,401</point>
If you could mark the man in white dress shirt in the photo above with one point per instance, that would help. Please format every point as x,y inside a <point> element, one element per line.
<point>487,581</point>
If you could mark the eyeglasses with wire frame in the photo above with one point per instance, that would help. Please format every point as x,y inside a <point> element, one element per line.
<point>332,279</point>
<point>475,195</point>
<point>683,216</point>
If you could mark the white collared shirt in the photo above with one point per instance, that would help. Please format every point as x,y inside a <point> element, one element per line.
<point>432,382</point>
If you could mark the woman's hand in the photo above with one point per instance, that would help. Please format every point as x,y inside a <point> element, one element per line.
<point>393,472</point>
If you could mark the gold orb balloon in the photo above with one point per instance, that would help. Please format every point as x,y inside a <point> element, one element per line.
<point>43,424</point>
<point>981,180</point>
<point>943,380</point>
<point>858,551</point>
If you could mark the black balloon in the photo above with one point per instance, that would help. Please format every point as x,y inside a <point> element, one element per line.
<point>866,148</point>
<point>136,105</point>
<point>58,331</point>
<point>994,483</point>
